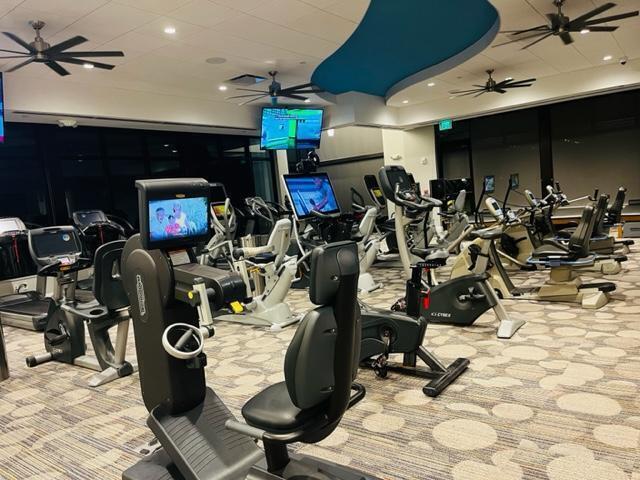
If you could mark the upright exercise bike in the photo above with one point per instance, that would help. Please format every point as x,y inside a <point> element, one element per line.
<point>458,301</point>
<point>67,320</point>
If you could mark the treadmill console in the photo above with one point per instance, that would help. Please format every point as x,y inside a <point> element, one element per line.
<point>55,245</point>
<point>494,208</point>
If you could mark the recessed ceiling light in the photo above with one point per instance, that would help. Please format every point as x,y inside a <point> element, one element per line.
<point>88,66</point>
<point>307,100</point>
<point>508,79</point>
<point>606,58</point>
<point>216,60</point>
<point>166,145</point>
<point>405,101</point>
<point>269,62</point>
<point>331,132</point>
<point>452,97</point>
<point>170,30</point>
<point>584,31</point>
<point>431,84</point>
<point>222,88</point>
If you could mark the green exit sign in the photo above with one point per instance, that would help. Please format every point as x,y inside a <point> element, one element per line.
<point>445,124</point>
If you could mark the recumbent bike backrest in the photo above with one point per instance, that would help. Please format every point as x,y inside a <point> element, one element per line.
<point>107,282</point>
<point>579,241</point>
<point>327,341</point>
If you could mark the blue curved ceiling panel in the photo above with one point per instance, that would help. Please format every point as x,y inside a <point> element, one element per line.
<point>398,39</point>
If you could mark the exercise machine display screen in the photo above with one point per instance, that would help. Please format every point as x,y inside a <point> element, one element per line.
<point>284,128</point>
<point>10,225</point>
<point>489,184</point>
<point>514,181</point>
<point>86,218</point>
<point>177,218</point>
<point>55,244</point>
<point>219,210</point>
<point>309,192</point>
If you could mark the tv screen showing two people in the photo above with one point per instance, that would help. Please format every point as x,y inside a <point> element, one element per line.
<point>178,218</point>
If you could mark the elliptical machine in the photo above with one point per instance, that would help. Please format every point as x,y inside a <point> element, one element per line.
<point>64,333</point>
<point>199,436</point>
<point>459,301</point>
<point>266,306</point>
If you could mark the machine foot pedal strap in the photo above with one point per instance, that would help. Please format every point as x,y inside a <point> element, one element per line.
<point>605,287</point>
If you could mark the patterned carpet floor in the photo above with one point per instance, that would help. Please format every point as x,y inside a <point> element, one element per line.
<point>560,400</point>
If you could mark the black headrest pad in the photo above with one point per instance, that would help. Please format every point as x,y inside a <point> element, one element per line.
<point>328,264</point>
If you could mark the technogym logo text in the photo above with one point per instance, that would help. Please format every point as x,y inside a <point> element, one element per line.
<point>142,304</point>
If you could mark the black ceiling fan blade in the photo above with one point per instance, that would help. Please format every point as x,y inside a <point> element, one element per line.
<point>20,42</point>
<point>290,95</point>
<point>59,69</point>
<point>252,90</point>
<point>296,87</point>
<point>20,65</point>
<point>596,11</point>
<point>524,85</point>
<point>537,41</point>
<point>499,90</point>
<point>70,43</point>
<point>516,82</point>
<point>566,38</point>
<point>13,51</point>
<point>612,18</point>
<point>305,91</point>
<point>482,92</point>
<point>527,37</point>
<point>253,99</point>
<point>75,61</point>
<point>91,54</point>
<point>246,96</point>
<point>455,92</point>
<point>15,56</point>
<point>471,92</point>
<point>519,32</point>
<point>596,28</point>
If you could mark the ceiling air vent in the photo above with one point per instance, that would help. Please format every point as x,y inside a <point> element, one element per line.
<point>245,80</point>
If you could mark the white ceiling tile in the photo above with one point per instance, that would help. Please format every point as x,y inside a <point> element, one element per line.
<point>242,5</point>
<point>63,7</point>
<point>160,7</point>
<point>156,28</point>
<point>114,19</point>
<point>352,10</point>
<point>325,25</point>
<point>283,12</point>
<point>261,31</point>
<point>204,13</point>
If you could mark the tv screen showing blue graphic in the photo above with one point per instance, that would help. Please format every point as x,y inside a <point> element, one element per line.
<point>284,128</point>
<point>309,192</point>
<point>1,108</point>
<point>178,218</point>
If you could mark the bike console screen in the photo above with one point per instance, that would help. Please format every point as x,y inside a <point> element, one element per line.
<point>178,218</point>
<point>311,192</point>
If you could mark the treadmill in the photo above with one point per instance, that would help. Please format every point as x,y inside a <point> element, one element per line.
<point>29,310</point>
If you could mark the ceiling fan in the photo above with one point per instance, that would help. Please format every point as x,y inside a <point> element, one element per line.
<point>493,86</point>
<point>41,52</point>
<point>561,26</point>
<point>275,91</point>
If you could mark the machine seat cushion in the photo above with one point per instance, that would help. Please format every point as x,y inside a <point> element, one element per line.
<point>263,258</point>
<point>272,410</point>
<point>548,250</point>
<point>490,233</point>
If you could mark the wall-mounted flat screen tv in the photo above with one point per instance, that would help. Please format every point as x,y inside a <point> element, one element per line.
<point>284,128</point>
